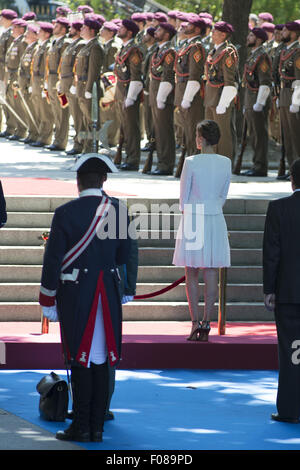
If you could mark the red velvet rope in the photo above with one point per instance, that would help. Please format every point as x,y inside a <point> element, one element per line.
<point>161,291</point>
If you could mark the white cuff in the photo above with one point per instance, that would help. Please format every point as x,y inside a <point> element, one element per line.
<point>134,89</point>
<point>296,93</point>
<point>164,90</point>
<point>262,95</point>
<point>294,108</point>
<point>87,95</point>
<point>73,90</point>
<point>228,94</point>
<point>192,87</point>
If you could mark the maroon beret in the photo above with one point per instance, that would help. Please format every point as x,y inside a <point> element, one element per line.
<point>279,27</point>
<point>269,27</point>
<point>266,17</point>
<point>9,14</point>
<point>63,21</point>
<point>45,26</point>
<point>149,16</point>
<point>29,16</point>
<point>160,16</point>
<point>139,17</point>
<point>63,11</point>
<point>131,26</point>
<point>77,24</point>
<point>224,27</point>
<point>293,25</point>
<point>19,22</point>
<point>111,26</point>
<point>85,9</point>
<point>260,33</point>
<point>173,14</point>
<point>92,22</point>
<point>182,16</point>
<point>98,18</point>
<point>33,28</point>
<point>196,20</point>
<point>204,14</point>
<point>168,27</point>
<point>151,30</point>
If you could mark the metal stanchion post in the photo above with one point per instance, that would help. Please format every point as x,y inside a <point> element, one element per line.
<point>44,320</point>
<point>222,301</point>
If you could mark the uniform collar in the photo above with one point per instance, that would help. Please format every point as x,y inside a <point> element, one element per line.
<point>91,192</point>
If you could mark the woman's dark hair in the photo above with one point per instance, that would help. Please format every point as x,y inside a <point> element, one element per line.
<point>209,130</point>
<point>295,173</point>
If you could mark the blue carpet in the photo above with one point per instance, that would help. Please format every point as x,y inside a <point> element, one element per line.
<point>174,410</point>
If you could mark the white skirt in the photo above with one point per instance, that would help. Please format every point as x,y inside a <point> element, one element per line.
<point>203,243</point>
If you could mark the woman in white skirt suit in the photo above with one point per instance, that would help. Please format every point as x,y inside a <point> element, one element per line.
<point>202,238</point>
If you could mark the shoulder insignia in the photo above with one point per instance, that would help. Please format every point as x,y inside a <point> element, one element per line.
<point>298,63</point>
<point>169,58</point>
<point>264,66</point>
<point>135,58</point>
<point>229,61</point>
<point>197,55</point>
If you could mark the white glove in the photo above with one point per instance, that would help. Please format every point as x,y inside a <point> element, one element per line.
<point>87,95</point>
<point>160,104</point>
<point>127,298</point>
<point>44,94</point>
<point>45,85</point>
<point>257,107</point>
<point>294,108</point>
<point>30,89</point>
<point>296,93</point>
<point>128,102</point>
<point>50,313</point>
<point>185,104</point>
<point>73,90</point>
<point>221,109</point>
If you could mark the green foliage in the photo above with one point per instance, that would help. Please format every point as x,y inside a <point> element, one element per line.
<point>8,4</point>
<point>282,10</point>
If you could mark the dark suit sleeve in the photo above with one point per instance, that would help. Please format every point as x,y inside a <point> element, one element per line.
<point>3,214</point>
<point>271,249</point>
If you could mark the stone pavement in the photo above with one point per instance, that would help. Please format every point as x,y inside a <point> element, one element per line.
<point>20,161</point>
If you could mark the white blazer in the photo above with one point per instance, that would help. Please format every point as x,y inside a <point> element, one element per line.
<point>204,183</point>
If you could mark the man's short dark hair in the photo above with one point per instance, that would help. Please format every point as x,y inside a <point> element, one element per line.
<point>295,172</point>
<point>91,180</point>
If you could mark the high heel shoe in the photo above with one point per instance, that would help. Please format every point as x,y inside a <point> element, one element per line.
<point>195,331</point>
<point>204,331</point>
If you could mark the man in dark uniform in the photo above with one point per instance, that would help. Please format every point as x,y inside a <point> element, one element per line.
<point>161,97</point>
<point>128,69</point>
<point>258,81</point>
<point>6,18</point>
<point>60,108</point>
<point>281,280</point>
<point>66,79</point>
<point>189,69</point>
<point>88,68</point>
<point>16,127</point>
<point>289,98</point>
<point>221,85</point>
<point>80,286</point>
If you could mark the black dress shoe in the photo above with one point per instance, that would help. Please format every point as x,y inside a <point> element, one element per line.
<point>37,144</point>
<point>253,173</point>
<point>54,147</point>
<point>285,177</point>
<point>128,167</point>
<point>73,152</point>
<point>4,134</point>
<point>277,417</point>
<point>160,173</point>
<point>73,434</point>
<point>96,436</point>
<point>14,137</point>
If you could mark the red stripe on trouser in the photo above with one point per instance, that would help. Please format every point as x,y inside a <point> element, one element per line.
<point>113,355</point>
<point>85,345</point>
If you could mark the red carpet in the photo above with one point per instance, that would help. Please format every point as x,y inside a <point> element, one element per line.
<point>152,345</point>
<point>44,187</point>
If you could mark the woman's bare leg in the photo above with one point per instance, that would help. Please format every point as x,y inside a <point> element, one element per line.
<point>211,276</point>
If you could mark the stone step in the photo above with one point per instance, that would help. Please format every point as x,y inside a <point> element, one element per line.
<point>32,273</point>
<point>46,204</point>
<point>142,311</point>
<point>36,220</point>
<point>29,292</point>
<point>148,256</point>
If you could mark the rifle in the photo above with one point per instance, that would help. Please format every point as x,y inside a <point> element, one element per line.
<point>238,165</point>
<point>149,161</point>
<point>118,155</point>
<point>281,169</point>
<point>181,160</point>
